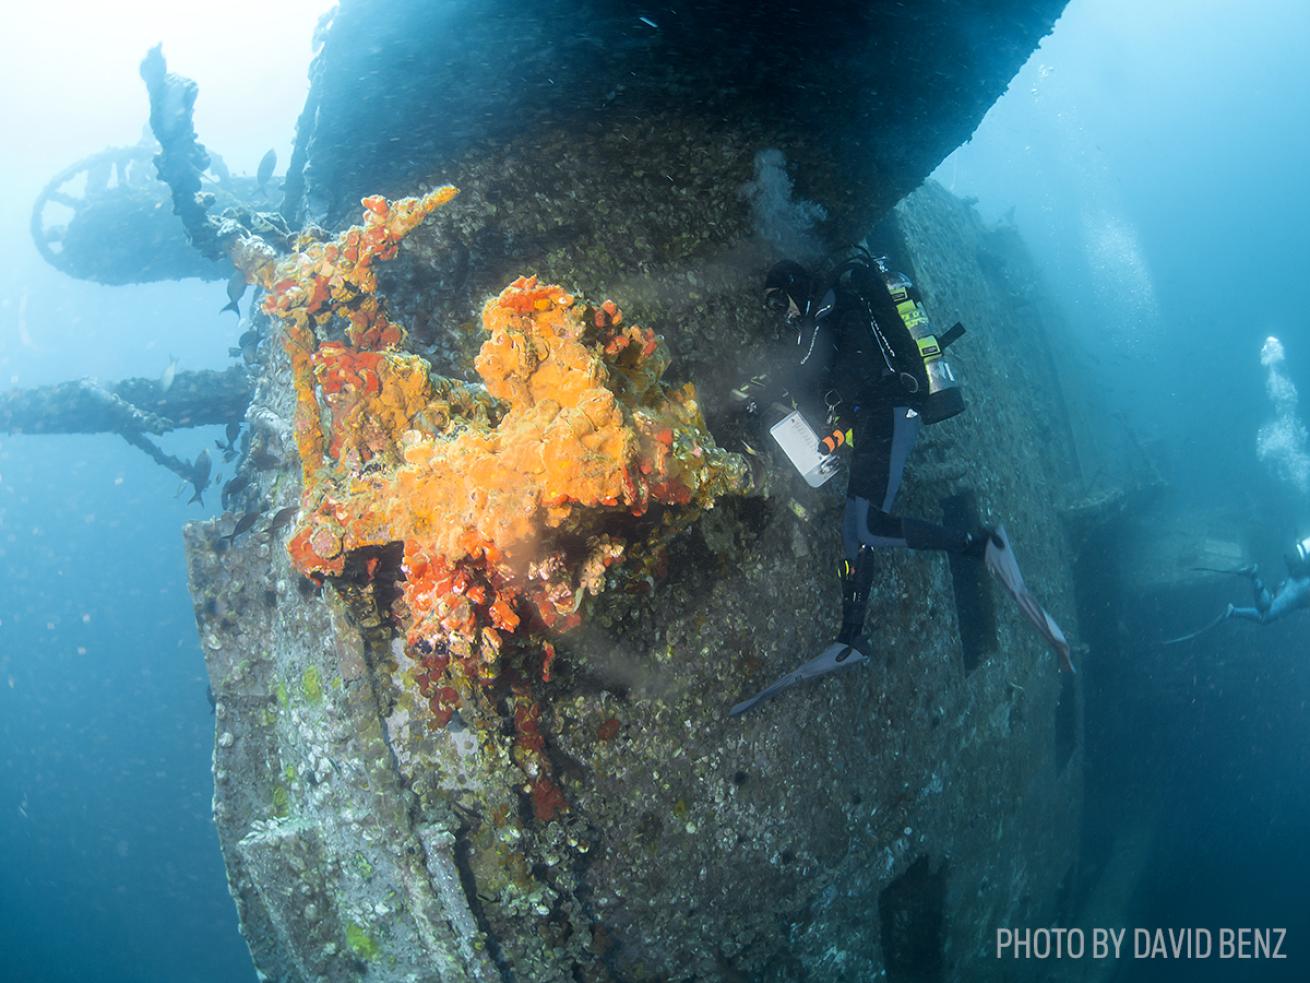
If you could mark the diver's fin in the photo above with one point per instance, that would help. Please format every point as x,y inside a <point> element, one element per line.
<point>1228,613</point>
<point>1002,565</point>
<point>837,656</point>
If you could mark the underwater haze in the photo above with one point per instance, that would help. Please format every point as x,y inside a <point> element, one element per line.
<point>1154,159</point>
<point>109,866</point>
<point>1149,156</point>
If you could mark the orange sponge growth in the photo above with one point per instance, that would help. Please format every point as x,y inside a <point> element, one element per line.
<point>587,428</point>
<point>326,279</point>
<point>512,502</point>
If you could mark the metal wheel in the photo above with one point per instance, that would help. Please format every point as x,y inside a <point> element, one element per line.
<point>108,218</point>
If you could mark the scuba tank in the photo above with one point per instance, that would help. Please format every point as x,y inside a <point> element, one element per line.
<point>1299,566</point>
<point>910,346</point>
<point>937,389</point>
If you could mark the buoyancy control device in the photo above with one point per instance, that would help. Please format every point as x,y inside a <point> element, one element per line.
<point>909,344</point>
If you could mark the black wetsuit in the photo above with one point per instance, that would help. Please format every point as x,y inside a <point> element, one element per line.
<point>859,368</point>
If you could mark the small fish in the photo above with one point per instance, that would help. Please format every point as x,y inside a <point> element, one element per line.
<point>234,487</point>
<point>243,525</point>
<point>265,171</point>
<point>236,289</point>
<point>281,518</point>
<point>231,432</point>
<point>247,347</point>
<point>649,23</point>
<point>170,371</point>
<point>200,472</point>
<point>263,459</point>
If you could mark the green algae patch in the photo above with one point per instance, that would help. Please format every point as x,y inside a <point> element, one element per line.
<point>281,801</point>
<point>280,691</point>
<point>362,866</point>
<point>312,685</point>
<point>361,943</point>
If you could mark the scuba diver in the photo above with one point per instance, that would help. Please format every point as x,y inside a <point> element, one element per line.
<point>870,365</point>
<point>1291,595</point>
<point>862,370</point>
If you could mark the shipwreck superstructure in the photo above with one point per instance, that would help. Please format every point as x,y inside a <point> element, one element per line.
<point>471,698</point>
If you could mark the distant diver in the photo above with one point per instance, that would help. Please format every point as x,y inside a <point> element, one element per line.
<point>1293,594</point>
<point>871,366</point>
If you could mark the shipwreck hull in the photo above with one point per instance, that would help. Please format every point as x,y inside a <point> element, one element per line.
<point>866,98</point>
<point>887,819</point>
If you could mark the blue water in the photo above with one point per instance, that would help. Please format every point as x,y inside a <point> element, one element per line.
<point>109,862</point>
<point>1155,163</point>
<point>1156,166</point>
